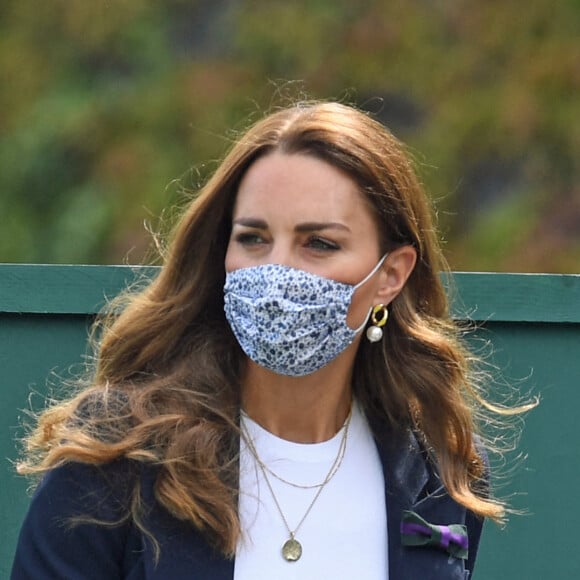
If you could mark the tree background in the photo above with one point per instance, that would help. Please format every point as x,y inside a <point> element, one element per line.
<point>112,110</point>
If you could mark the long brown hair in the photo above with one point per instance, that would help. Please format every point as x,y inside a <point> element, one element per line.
<point>166,385</point>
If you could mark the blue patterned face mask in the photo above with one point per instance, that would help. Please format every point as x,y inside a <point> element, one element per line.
<point>287,320</point>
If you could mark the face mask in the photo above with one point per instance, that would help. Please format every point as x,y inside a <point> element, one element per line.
<point>287,320</point>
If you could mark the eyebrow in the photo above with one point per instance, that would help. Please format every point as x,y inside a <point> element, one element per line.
<point>251,223</point>
<point>301,228</point>
<point>317,226</point>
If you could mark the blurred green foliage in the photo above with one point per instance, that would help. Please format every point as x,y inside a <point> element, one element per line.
<point>106,106</point>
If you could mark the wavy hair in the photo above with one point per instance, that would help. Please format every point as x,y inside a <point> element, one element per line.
<point>166,387</point>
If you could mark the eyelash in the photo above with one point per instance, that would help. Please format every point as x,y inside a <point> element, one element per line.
<point>249,239</point>
<point>322,244</point>
<point>315,243</point>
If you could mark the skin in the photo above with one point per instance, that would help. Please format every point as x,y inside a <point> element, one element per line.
<point>302,212</point>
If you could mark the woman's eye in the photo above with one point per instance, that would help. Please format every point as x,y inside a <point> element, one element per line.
<point>249,239</point>
<point>322,244</point>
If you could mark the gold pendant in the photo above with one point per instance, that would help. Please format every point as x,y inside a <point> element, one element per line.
<point>291,550</point>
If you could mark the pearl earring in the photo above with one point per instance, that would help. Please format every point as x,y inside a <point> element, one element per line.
<point>379,317</point>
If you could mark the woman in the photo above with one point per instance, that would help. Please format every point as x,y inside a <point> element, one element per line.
<point>288,398</point>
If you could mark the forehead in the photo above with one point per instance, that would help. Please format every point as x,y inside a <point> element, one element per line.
<point>301,187</point>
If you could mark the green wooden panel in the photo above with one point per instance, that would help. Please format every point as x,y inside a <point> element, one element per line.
<point>540,545</point>
<point>532,321</point>
<point>59,289</point>
<point>517,297</point>
<point>34,351</point>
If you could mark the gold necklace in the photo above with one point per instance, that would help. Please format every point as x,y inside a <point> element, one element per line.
<point>332,471</point>
<point>292,548</point>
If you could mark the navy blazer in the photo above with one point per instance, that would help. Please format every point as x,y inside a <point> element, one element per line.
<point>49,547</point>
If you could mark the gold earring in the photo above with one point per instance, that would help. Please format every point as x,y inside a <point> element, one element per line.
<point>379,317</point>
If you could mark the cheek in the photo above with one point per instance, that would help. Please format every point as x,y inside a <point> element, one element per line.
<point>236,258</point>
<point>362,302</point>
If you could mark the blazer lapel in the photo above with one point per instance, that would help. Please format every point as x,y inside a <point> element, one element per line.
<point>411,483</point>
<point>406,475</point>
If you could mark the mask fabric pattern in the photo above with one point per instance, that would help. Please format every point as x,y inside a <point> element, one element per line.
<point>287,320</point>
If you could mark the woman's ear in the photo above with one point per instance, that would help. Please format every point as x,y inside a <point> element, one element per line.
<point>395,272</point>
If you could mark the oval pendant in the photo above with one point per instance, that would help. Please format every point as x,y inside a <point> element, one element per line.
<point>291,550</point>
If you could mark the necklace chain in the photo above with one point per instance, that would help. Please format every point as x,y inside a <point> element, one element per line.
<point>292,550</point>
<point>331,472</point>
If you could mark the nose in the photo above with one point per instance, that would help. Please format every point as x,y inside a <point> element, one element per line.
<point>282,254</point>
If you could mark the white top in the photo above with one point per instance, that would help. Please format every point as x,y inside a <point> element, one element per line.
<point>345,534</point>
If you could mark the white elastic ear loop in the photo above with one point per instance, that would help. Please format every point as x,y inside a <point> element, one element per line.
<point>372,273</point>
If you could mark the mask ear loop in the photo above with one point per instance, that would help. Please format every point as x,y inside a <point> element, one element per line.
<point>366,279</point>
<point>372,272</point>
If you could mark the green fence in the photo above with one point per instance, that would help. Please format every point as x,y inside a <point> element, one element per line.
<point>532,322</point>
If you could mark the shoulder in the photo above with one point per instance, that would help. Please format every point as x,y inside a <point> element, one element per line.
<point>79,513</point>
<point>97,491</point>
